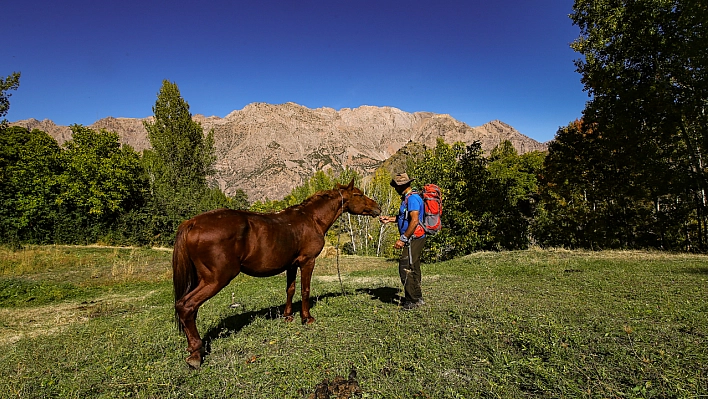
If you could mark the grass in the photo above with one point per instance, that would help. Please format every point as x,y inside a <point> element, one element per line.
<point>98,322</point>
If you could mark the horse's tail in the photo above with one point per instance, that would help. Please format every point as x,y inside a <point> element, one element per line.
<point>184,274</point>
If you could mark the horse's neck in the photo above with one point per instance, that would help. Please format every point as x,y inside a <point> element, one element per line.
<point>325,210</point>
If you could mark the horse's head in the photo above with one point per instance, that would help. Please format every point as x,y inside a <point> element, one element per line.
<point>355,202</point>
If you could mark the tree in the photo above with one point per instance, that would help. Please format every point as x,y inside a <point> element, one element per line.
<point>487,202</point>
<point>645,67</point>
<point>179,165</point>
<point>379,188</point>
<point>573,182</point>
<point>443,166</point>
<point>592,199</point>
<point>29,170</point>
<point>318,182</point>
<point>11,82</point>
<point>181,157</point>
<point>100,181</point>
<point>513,191</point>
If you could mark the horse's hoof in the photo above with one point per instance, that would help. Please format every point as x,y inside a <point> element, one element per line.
<point>288,318</point>
<point>308,320</point>
<point>195,359</point>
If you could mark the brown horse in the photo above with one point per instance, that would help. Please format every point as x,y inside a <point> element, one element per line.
<point>214,247</point>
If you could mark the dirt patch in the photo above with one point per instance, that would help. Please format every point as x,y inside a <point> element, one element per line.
<point>339,388</point>
<point>357,280</point>
<point>370,280</point>
<point>18,323</point>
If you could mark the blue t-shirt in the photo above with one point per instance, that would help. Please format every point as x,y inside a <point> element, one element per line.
<point>414,203</point>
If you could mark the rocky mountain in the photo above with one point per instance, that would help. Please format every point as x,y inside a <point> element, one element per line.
<point>266,150</point>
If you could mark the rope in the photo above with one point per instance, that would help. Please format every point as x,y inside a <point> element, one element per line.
<point>339,274</point>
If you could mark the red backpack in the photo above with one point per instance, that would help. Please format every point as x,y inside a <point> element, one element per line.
<point>432,204</point>
<point>433,208</point>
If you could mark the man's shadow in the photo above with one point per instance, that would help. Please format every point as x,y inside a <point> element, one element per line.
<point>383,294</point>
<point>235,323</point>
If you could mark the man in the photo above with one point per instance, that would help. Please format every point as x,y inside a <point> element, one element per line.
<point>412,239</point>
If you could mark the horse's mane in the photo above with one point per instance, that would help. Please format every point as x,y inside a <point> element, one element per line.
<point>327,194</point>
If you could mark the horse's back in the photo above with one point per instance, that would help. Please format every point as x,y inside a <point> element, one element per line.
<point>255,243</point>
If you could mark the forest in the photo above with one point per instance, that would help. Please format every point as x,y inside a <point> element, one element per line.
<point>627,174</point>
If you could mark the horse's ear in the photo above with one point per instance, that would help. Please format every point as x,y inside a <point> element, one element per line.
<point>351,184</point>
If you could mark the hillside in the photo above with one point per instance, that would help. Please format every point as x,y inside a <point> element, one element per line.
<point>266,150</point>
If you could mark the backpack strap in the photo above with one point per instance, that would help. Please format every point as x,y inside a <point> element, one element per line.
<point>413,191</point>
<point>420,224</point>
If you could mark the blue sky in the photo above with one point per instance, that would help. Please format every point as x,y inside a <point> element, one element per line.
<point>475,60</point>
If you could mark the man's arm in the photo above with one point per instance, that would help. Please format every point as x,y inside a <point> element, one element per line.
<point>408,234</point>
<point>413,222</point>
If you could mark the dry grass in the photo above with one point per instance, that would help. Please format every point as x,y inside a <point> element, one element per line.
<point>32,322</point>
<point>87,265</point>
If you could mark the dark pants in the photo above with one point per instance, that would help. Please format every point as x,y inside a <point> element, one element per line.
<point>409,269</point>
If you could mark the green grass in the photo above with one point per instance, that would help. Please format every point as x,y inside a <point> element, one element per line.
<point>510,324</point>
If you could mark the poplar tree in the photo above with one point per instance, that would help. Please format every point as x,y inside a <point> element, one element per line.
<point>179,163</point>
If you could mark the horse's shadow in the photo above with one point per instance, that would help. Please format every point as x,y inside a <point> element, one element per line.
<point>235,323</point>
<point>383,294</point>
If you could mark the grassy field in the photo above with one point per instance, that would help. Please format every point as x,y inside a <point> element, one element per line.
<point>79,322</point>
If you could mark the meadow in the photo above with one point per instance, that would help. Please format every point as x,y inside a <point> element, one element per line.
<point>78,322</point>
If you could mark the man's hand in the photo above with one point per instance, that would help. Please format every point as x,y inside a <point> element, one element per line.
<point>387,219</point>
<point>399,244</point>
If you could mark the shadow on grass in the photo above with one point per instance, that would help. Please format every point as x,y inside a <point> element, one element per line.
<point>235,323</point>
<point>383,294</point>
<point>697,270</point>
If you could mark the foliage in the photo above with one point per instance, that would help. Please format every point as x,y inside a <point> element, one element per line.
<point>379,189</point>
<point>182,157</point>
<point>488,203</point>
<point>320,181</point>
<point>100,176</point>
<point>508,324</point>
<point>267,206</point>
<point>11,82</point>
<point>441,166</point>
<point>30,163</point>
<point>644,65</point>
<point>513,194</point>
<point>100,181</point>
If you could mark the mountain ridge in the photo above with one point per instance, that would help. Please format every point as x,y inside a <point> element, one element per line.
<point>266,150</point>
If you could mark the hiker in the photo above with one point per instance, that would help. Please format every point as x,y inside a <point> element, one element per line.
<point>412,239</point>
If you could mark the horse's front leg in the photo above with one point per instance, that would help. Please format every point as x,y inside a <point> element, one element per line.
<point>305,277</point>
<point>290,289</point>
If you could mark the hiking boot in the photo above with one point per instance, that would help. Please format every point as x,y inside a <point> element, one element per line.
<point>413,304</point>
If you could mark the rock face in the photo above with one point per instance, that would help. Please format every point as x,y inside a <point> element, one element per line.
<point>267,150</point>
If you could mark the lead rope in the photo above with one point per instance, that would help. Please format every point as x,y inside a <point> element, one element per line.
<point>339,274</point>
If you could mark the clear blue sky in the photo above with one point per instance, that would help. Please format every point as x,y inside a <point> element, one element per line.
<point>475,60</point>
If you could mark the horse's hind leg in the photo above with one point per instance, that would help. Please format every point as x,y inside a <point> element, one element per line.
<point>305,277</point>
<point>290,290</point>
<point>187,310</point>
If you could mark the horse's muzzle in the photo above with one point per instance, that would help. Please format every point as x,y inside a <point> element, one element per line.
<point>376,211</point>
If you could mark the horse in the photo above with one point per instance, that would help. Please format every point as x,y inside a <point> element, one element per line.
<point>214,247</point>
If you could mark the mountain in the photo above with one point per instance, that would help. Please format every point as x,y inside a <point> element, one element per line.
<point>266,150</point>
